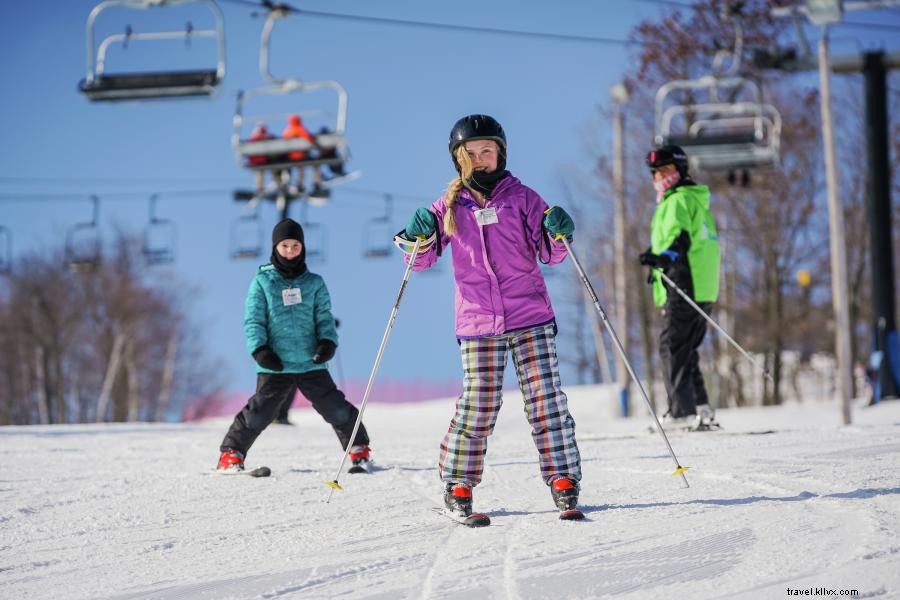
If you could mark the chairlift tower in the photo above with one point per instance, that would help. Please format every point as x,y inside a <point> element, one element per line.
<point>873,65</point>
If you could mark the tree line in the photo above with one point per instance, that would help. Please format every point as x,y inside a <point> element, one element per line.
<point>100,342</point>
<point>771,228</point>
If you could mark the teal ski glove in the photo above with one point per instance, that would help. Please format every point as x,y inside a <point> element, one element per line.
<point>557,222</point>
<point>421,224</point>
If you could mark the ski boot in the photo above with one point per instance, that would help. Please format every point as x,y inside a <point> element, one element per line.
<point>458,499</point>
<point>359,456</point>
<point>670,423</point>
<point>565,496</point>
<point>230,460</point>
<point>705,419</point>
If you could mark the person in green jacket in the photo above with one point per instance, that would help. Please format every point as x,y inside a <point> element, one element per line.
<point>291,335</point>
<point>685,246</point>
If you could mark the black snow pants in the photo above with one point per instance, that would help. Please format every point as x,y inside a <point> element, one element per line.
<point>275,389</point>
<point>682,333</point>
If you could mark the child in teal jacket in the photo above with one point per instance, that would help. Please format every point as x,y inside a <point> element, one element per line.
<point>291,334</point>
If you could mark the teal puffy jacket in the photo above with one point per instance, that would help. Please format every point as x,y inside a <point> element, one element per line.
<point>290,316</point>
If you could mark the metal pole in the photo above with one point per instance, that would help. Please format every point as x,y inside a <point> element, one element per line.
<point>333,484</point>
<point>878,201</point>
<point>620,95</point>
<point>837,231</point>
<point>679,470</point>
<point>599,347</point>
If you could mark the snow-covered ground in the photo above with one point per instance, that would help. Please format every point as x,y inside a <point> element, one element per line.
<point>134,511</point>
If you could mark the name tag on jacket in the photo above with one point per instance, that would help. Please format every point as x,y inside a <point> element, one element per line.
<point>486,216</point>
<point>291,296</point>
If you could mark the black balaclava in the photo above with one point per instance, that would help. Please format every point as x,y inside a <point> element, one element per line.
<point>288,229</point>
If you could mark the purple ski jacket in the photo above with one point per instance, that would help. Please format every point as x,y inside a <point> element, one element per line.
<point>499,285</point>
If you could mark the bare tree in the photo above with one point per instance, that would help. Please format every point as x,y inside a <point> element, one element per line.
<point>105,349</point>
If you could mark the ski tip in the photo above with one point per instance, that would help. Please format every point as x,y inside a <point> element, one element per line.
<point>334,485</point>
<point>680,470</point>
<point>477,520</point>
<point>572,514</point>
<point>260,472</point>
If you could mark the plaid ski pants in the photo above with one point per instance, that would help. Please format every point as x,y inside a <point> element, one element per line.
<point>537,368</point>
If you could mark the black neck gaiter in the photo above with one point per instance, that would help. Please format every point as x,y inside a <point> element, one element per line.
<point>289,268</point>
<point>484,183</point>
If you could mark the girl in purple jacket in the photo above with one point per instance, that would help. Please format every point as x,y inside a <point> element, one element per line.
<point>498,229</point>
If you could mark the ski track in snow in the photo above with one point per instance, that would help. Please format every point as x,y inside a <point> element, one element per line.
<point>812,505</point>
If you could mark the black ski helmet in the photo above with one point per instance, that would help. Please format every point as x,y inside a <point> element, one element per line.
<point>476,127</point>
<point>668,154</point>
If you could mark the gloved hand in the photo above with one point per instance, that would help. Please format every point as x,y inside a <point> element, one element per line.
<point>421,224</point>
<point>267,359</point>
<point>663,260</point>
<point>324,351</point>
<point>558,222</point>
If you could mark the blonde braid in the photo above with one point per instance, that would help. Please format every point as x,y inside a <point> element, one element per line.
<point>455,186</point>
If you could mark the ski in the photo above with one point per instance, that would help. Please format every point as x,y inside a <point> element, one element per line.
<point>473,520</point>
<point>571,514</point>
<point>717,430</point>
<point>257,472</point>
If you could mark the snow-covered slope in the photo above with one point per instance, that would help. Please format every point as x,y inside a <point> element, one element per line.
<point>134,511</point>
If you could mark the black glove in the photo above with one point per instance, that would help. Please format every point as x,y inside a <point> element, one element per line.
<point>663,260</point>
<point>267,359</point>
<point>324,351</point>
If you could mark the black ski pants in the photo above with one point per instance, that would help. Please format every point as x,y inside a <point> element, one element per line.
<point>275,389</point>
<point>682,333</point>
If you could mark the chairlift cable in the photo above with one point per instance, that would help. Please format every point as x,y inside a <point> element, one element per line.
<point>431,25</point>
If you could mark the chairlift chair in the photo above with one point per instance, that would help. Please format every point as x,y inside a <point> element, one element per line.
<point>247,236</point>
<point>98,85</point>
<point>719,135</point>
<point>83,244</point>
<point>315,237</point>
<point>5,250</point>
<point>731,127</point>
<point>330,149</point>
<point>377,234</point>
<point>159,238</point>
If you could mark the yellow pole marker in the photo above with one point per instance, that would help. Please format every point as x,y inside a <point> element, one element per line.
<point>680,470</point>
<point>334,485</point>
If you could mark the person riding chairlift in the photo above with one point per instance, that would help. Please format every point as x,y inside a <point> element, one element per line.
<point>295,129</point>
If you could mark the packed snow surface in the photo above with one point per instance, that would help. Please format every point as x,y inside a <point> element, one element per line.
<point>782,499</point>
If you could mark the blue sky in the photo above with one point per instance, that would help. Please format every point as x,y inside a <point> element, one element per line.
<point>406,87</point>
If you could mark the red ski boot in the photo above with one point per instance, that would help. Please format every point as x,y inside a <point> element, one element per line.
<point>565,496</point>
<point>359,456</point>
<point>231,460</point>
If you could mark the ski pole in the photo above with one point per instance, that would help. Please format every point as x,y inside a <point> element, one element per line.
<point>714,324</point>
<point>333,484</point>
<point>679,470</point>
